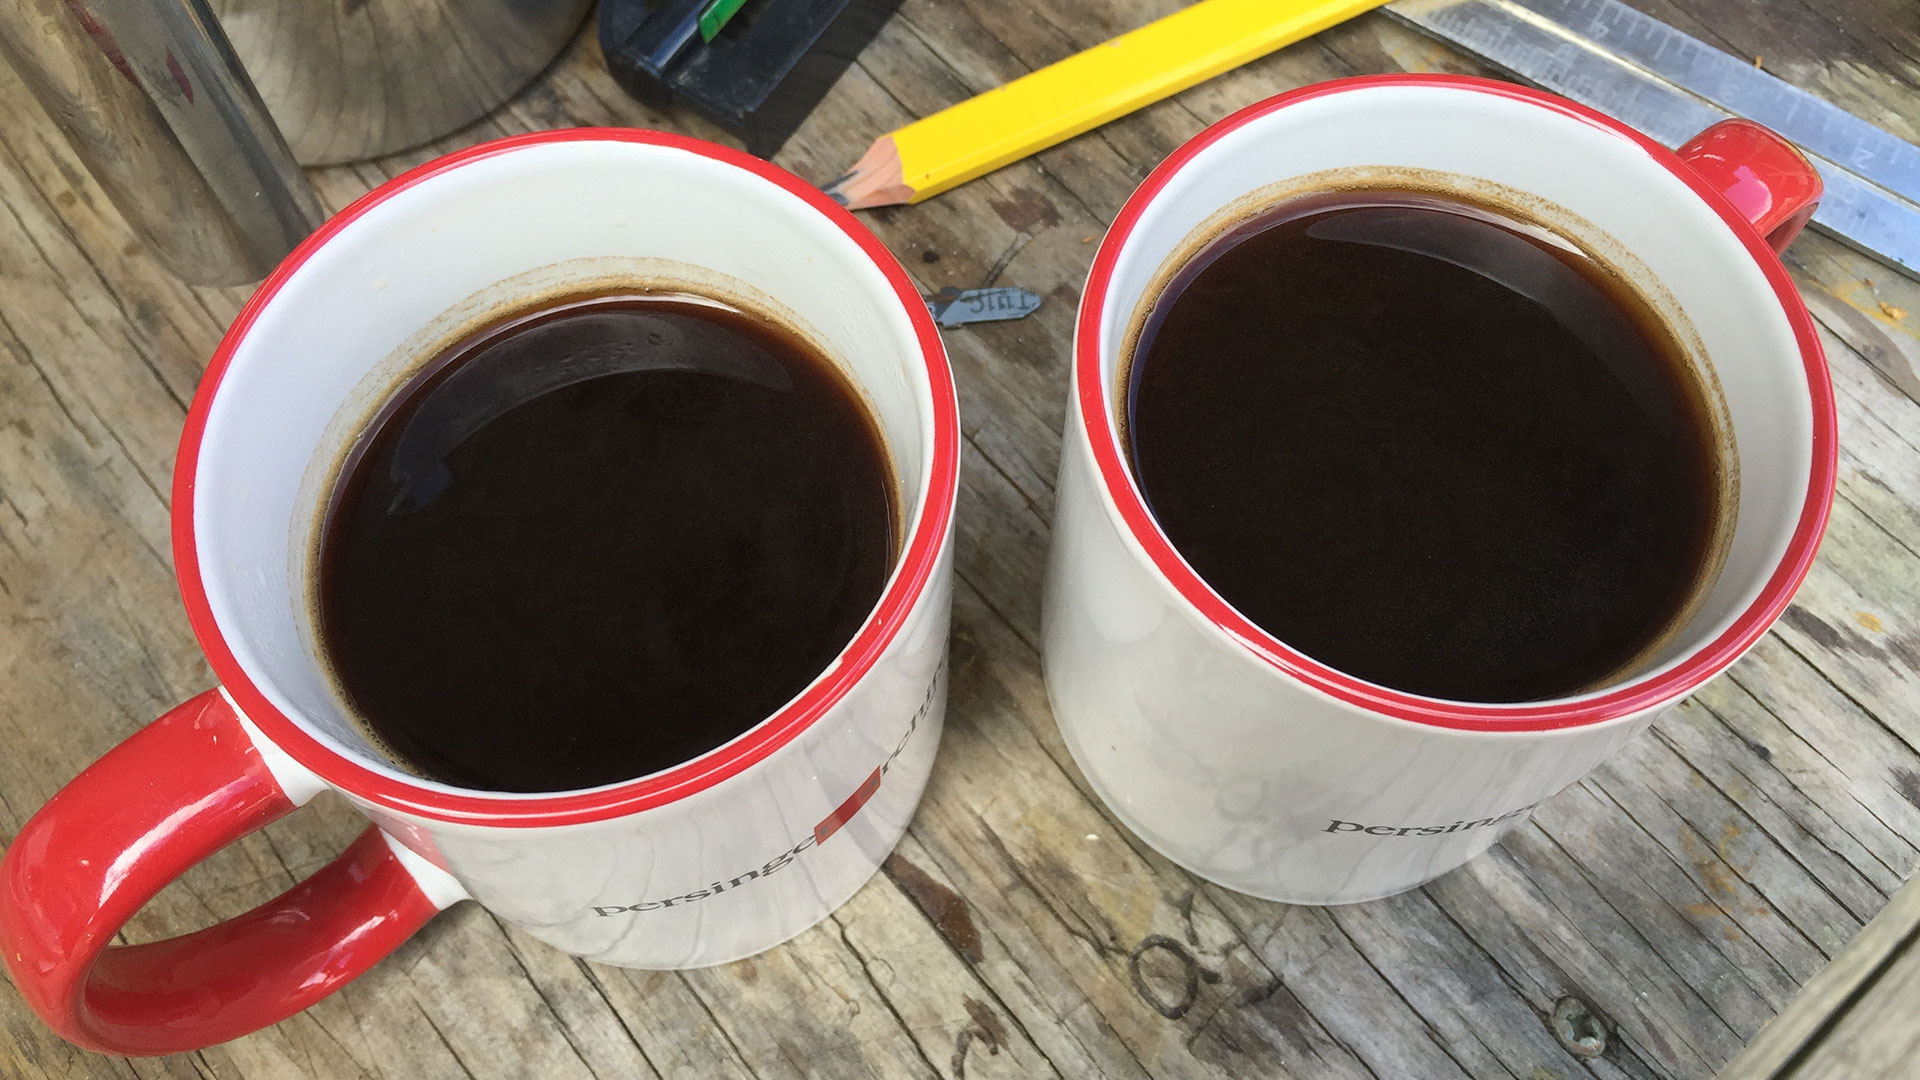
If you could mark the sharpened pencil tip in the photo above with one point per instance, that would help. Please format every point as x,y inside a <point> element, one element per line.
<point>874,180</point>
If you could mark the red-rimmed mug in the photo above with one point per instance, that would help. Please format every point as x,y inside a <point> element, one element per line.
<point>1244,759</point>
<point>714,859</point>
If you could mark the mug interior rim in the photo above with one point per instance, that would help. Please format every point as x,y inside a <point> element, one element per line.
<point>389,788</point>
<point>1095,424</point>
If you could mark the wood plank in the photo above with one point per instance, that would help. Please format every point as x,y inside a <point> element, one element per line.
<point>1818,1027</point>
<point>1876,1038</point>
<point>1863,1028</point>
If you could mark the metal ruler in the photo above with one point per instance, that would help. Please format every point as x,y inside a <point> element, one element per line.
<point>1606,55</point>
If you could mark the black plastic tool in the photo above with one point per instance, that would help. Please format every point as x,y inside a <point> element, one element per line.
<point>768,66</point>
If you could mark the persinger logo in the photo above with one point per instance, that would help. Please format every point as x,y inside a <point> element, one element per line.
<point>1338,826</point>
<point>828,825</point>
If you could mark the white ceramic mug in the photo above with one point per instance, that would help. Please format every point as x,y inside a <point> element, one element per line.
<point>1257,767</point>
<point>713,859</point>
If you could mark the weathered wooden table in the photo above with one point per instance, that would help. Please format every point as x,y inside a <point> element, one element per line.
<point>1679,897</point>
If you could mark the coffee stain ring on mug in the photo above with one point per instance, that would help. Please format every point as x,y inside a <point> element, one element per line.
<point>1608,254</point>
<point>342,441</point>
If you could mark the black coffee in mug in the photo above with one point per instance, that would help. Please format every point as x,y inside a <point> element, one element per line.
<point>1427,443</point>
<point>599,538</point>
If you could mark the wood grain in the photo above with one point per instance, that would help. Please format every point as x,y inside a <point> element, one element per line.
<point>1680,896</point>
<point>1822,1024</point>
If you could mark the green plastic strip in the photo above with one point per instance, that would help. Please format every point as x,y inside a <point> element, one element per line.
<point>716,16</point>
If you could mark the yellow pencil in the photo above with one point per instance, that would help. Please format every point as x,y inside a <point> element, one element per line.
<point>1079,93</point>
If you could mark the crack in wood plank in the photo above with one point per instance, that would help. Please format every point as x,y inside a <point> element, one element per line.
<point>448,1046</point>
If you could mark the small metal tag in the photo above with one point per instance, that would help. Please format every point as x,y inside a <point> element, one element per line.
<point>958,307</point>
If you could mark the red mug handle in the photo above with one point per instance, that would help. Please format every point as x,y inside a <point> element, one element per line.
<point>178,790</point>
<point>1764,176</point>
